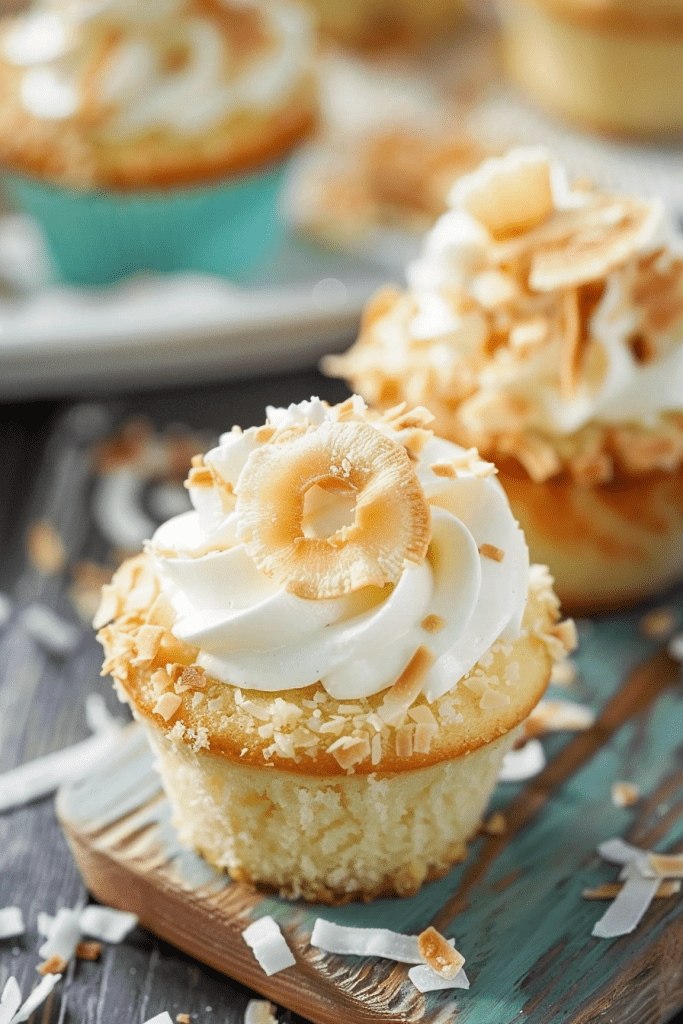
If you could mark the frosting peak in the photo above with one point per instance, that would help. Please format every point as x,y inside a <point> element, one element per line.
<point>332,543</point>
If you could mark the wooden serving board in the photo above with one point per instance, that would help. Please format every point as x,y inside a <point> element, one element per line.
<point>515,908</point>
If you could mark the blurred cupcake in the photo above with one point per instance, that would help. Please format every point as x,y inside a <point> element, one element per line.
<point>544,325</point>
<point>379,24</point>
<point>153,136</point>
<point>613,65</point>
<point>332,653</point>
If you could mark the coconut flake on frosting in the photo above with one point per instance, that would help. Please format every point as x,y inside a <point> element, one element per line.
<point>252,627</point>
<point>542,321</point>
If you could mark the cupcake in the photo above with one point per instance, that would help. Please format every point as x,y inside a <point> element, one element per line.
<point>333,652</point>
<point>153,136</point>
<point>544,325</point>
<point>614,65</point>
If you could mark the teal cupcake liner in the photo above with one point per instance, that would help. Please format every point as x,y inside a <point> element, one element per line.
<point>99,237</point>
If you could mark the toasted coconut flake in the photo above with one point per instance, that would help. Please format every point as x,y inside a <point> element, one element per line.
<point>666,865</point>
<point>106,923</point>
<point>88,950</point>
<point>438,954</point>
<point>609,890</point>
<point>191,678</point>
<point>182,1018</point>
<point>433,623</point>
<point>354,750</point>
<point>558,716</point>
<point>538,457</point>
<point>404,740</point>
<point>11,922</point>
<point>392,519</point>
<point>426,980</point>
<point>567,633</point>
<point>445,469</point>
<point>496,825</point>
<point>54,965</point>
<point>405,690</point>
<point>348,941</point>
<point>147,643</point>
<point>269,945</point>
<point>624,794</point>
<point>258,1011</point>
<point>508,197</point>
<point>167,705</point>
<point>659,623</point>
<point>492,552</point>
<point>564,673</point>
<point>491,699</point>
<point>522,764</point>
<point>423,736</point>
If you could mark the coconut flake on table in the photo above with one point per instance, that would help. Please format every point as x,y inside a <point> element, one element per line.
<point>36,998</point>
<point>268,945</point>
<point>161,1018</point>
<point>11,922</point>
<point>642,872</point>
<point>348,941</point>
<point>558,716</point>
<point>426,980</point>
<point>10,1001</point>
<point>522,764</point>
<point>259,1011</point>
<point>42,776</point>
<point>64,936</point>
<point>105,923</point>
<point>50,630</point>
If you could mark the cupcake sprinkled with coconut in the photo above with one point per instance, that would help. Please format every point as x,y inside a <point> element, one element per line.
<point>334,650</point>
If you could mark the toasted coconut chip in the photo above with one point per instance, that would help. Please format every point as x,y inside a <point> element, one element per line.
<point>624,794</point>
<point>433,623</point>
<point>564,673</point>
<point>45,547</point>
<point>558,716</point>
<point>167,705</point>
<point>88,950</point>
<point>182,1018</point>
<point>508,199</point>
<point>106,924</point>
<point>259,1011</point>
<point>538,457</point>
<point>10,1001</point>
<point>666,865</point>
<point>496,825</point>
<point>405,690</point>
<point>147,643</point>
<point>626,911</point>
<point>11,922</point>
<point>595,250</point>
<point>522,764</point>
<point>269,945</point>
<point>53,965</point>
<point>492,552</point>
<point>191,678</point>
<point>36,999</point>
<point>609,890</point>
<point>108,607</point>
<point>426,980</point>
<point>348,941</point>
<point>392,520</point>
<point>438,954</point>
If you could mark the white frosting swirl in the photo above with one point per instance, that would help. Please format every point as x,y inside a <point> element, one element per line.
<point>614,387</point>
<point>253,633</point>
<point>135,88</point>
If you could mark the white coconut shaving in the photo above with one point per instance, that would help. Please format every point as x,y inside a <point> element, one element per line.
<point>522,764</point>
<point>348,941</point>
<point>44,923</point>
<point>426,980</point>
<point>259,1011</point>
<point>161,1018</point>
<point>36,999</point>
<point>642,872</point>
<point>11,922</point>
<point>268,945</point>
<point>559,716</point>
<point>10,1001</point>
<point>64,936</point>
<point>38,778</point>
<point>51,631</point>
<point>105,923</point>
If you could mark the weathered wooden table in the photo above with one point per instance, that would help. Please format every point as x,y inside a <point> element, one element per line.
<point>43,456</point>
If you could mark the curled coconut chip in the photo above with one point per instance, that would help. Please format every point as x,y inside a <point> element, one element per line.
<point>268,945</point>
<point>392,519</point>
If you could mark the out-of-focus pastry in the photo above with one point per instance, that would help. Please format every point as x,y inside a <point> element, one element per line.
<point>378,24</point>
<point>614,65</point>
<point>333,652</point>
<point>153,136</point>
<point>544,324</point>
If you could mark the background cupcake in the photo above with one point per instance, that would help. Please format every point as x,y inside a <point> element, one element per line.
<point>377,24</point>
<point>153,136</point>
<point>613,65</point>
<point>333,652</point>
<point>544,324</point>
